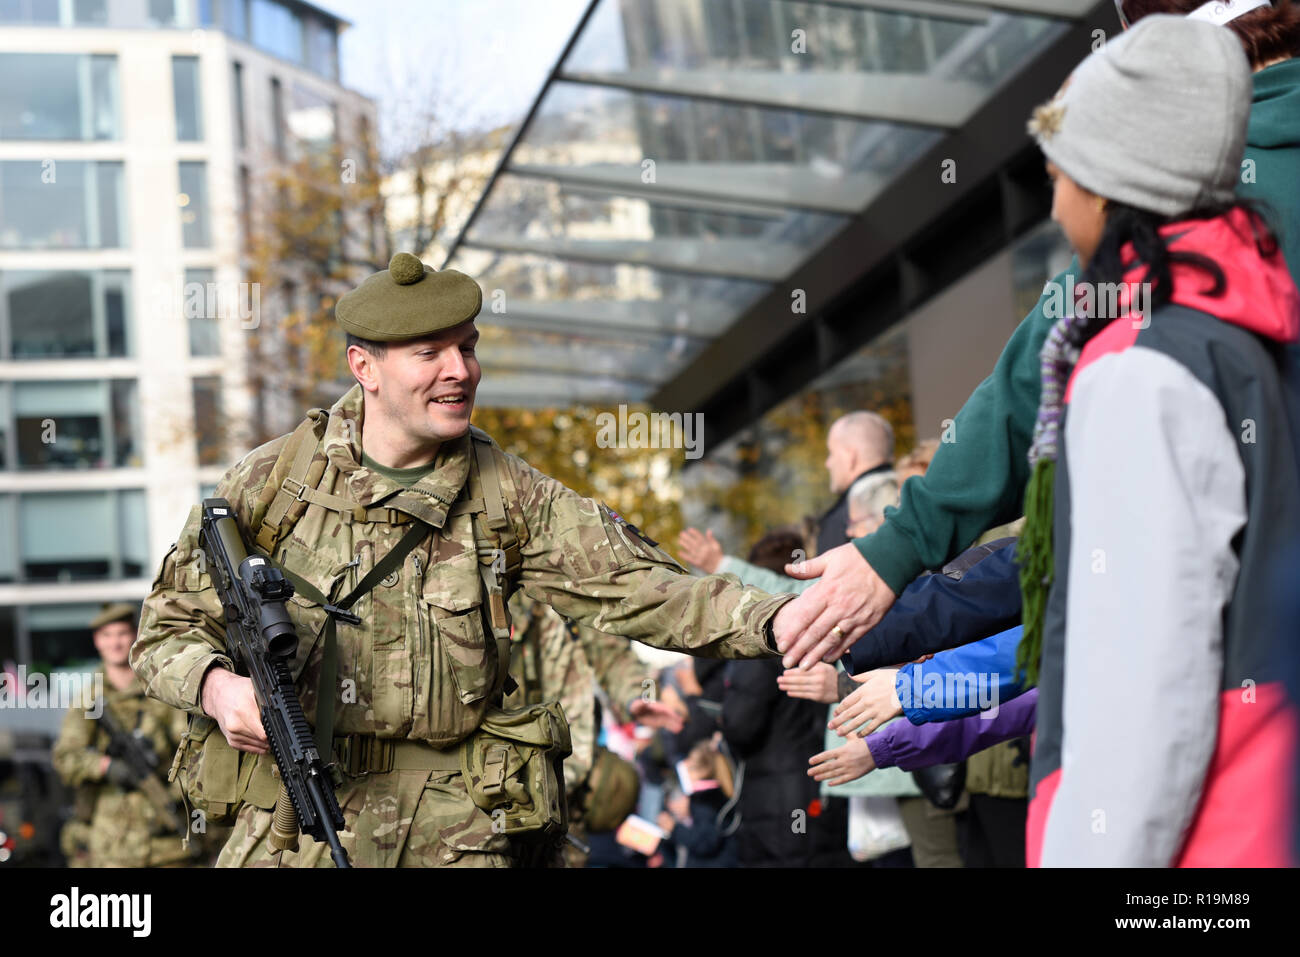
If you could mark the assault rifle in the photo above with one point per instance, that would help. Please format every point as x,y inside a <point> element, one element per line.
<point>141,761</point>
<point>262,642</point>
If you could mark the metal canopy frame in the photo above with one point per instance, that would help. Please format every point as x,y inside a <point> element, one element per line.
<point>913,238</point>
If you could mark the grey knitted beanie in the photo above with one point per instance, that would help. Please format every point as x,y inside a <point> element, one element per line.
<point>1155,119</point>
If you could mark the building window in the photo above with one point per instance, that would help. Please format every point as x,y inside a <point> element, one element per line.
<point>312,119</point>
<point>186,100</point>
<point>162,13</point>
<point>237,98</point>
<point>277,116</point>
<point>209,428</point>
<point>29,11</point>
<point>234,14</point>
<point>64,314</point>
<point>58,96</point>
<point>202,312</point>
<point>74,424</point>
<point>322,48</point>
<point>193,200</point>
<point>277,30</point>
<point>70,536</point>
<point>90,12</point>
<point>246,205</point>
<point>69,204</point>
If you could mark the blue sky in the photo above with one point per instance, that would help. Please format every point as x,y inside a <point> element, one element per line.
<point>480,61</point>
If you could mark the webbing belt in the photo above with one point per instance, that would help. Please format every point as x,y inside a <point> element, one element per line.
<point>329,669</point>
<point>363,754</point>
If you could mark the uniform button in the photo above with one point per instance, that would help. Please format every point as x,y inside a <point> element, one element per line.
<point>390,579</point>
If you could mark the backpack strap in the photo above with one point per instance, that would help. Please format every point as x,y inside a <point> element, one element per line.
<point>299,452</point>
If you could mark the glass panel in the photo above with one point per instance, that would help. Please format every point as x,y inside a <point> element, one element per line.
<point>8,537</point>
<point>126,424</point>
<point>134,533</point>
<point>57,313</point>
<point>752,242</point>
<point>29,11</point>
<point>311,119</point>
<point>67,535</point>
<point>162,13</point>
<point>277,30</point>
<point>66,424</point>
<point>322,48</point>
<point>106,98</point>
<point>237,100</point>
<point>205,333</point>
<point>65,205</point>
<point>58,96</point>
<point>90,12</point>
<point>548,390</point>
<point>208,426</point>
<point>611,296</point>
<point>711,150</point>
<point>869,62</point>
<point>193,201</point>
<point>185,93</point>
<point>277,116</point>
<point>582,354</point>
<point>234,14</point>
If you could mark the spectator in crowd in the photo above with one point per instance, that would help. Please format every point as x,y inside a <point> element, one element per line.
<point>783,821</point>
<point>1140,464</point>
<point>857,445</point>
<point>693,821</point>
<point>978,481</point>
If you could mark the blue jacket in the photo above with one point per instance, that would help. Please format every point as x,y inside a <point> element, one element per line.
<point>977,594</point>
<point>961,681</point>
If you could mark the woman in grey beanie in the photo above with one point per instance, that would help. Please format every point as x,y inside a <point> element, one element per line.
<point>1164,472</point>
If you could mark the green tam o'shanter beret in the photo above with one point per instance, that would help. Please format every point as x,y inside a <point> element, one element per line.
<point>117,611</point>
<point>408,300</point>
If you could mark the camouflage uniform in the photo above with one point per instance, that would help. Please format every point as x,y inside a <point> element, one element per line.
<point>124,829</point>
<point>557,661</point>
<point>421,666</point>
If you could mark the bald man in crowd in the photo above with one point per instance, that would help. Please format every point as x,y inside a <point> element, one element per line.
<point>857,445</point>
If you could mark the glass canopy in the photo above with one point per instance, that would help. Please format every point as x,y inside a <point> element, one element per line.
<point>686,157</point>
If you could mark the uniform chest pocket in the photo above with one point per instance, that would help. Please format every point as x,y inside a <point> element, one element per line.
<point>463,663</point>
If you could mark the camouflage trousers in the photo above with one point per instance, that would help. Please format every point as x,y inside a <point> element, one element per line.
<point>394,819</point>
<point>98,845</point>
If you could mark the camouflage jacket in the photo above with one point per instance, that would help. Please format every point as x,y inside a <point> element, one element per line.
<point>553,661</point>
<point>421,664</point>
<point>125,830</point>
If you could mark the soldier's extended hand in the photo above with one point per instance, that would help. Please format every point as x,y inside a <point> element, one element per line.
<point>700,549</point>
<point>824,621</point>
<point>655,714</point>
<point>228,698</point>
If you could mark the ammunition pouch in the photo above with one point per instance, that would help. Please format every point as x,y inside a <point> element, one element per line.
<point>216,778</point>
<point>513,769</point>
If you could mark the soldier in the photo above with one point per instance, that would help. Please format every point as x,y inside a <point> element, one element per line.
<point>116,824</point>
<point>420,673</point>
<point>555,660</point>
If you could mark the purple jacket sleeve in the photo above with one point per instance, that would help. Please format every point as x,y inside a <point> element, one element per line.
<point>902,744</point>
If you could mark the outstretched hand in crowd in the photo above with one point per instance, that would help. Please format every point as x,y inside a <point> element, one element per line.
<point>849,761</point>
<point>870,706</point>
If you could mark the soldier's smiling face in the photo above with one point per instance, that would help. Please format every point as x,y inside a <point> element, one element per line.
<point>425,387</point>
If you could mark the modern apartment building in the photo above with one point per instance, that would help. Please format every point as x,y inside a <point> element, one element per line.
<point>136,137</point>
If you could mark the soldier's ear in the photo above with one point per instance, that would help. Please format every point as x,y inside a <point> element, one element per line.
<point>363,367</point>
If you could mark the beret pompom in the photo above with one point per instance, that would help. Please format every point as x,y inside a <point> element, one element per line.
<point>404,269</point>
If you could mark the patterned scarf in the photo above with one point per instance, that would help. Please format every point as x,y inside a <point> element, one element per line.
<point>1034,551</point>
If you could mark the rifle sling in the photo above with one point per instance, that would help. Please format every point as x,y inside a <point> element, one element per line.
<point>329,669</point>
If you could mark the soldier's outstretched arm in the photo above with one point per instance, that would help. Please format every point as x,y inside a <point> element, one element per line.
<point>594,569</point>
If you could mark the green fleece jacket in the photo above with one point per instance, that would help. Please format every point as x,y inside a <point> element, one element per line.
<point>977,478</point>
